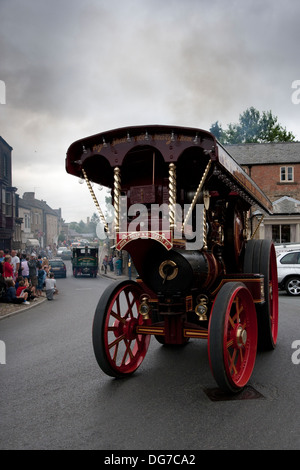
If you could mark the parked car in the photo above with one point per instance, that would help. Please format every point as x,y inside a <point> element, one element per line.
<point>61,250</point>
<point>66,254</point>
<point>58,267</point>
<point>288,268</point>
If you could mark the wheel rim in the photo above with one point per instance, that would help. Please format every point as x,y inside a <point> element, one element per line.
<point>294,286</point>
<point>232,341</point>
<point>239,340</point>
<point>124,349</point>
<point>273,295</point>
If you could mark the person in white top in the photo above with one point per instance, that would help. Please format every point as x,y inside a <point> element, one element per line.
<point>25,267</point>
<point>50,285</point>
<point>15,261</point>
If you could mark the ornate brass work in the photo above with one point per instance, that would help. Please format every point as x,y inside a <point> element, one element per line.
<point>117,193</point>
<point>144,307</point>
<point>168,270</point>
<point>95,201</point>
<point>253,235</point>
<point>201,308</point>
<point>197,193</point>
<point>172,194</point>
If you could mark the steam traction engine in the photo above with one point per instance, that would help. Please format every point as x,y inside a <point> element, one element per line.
<point>181,205</point>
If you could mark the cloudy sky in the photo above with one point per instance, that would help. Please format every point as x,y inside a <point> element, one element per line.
<point>73,68</point>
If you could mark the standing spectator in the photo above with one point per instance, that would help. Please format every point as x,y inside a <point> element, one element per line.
<point>32,264</point>
<point>105,263</point>
<point>119,266</point>
<point>114,263</point>
<point>8,269</point>
<point>41,278</point>
<point>15,261</point>
<point>1,256</point>
<point>24,266</point>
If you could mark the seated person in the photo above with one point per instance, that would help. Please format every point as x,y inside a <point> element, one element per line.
<point>29,289</point>
<point>11,294</point>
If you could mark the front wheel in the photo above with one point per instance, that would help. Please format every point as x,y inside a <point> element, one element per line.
<point>118,349</point>
<point>232,338</point>
<point>292,286</point>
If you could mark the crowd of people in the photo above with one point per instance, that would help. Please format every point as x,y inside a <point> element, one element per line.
<point>25,277</point>
<point>114,263</point>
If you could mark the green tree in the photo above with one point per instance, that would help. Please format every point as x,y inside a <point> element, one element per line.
<point>253,127</point>
<point>93,223</point>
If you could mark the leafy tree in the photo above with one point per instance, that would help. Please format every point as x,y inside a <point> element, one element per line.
<point>253,127</point>
<point>91,227</point>
<point>217,131</point>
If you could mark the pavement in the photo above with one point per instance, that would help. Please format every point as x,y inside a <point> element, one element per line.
<point>7,310</point>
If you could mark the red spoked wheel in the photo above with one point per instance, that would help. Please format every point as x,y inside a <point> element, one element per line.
<point>260,257</point>
<point>232,338</point>
<point>118,349</point>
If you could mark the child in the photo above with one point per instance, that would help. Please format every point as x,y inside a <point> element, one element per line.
<point>50,287</point>
<point>29,289</point>
<point>11,294</point>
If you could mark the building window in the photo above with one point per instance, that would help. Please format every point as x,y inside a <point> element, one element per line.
<point>281,233</point>
<point>286,174</point>
<point>8,200</point>
<point>27,221</point>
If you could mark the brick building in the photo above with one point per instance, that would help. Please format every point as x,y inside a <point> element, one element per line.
<point>275,167</point>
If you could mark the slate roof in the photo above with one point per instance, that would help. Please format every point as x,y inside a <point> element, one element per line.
<point>35,203</point>
<point>286,205</point>
<point>265,154</point>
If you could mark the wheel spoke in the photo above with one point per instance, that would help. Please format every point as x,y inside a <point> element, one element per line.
<point>117,316</point>
<point>128,351</point>
<point>116,341</point>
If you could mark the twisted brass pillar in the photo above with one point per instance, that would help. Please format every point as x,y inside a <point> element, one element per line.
<point>117,194</point>
<point>172,194</point>
<point>102,218</point>
<point>197,193</point>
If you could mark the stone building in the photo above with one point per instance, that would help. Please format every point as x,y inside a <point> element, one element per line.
<point>10,223</point>
<point>41,224</point>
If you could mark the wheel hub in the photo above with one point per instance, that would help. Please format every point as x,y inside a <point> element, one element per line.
<point>241,336</point>
<point>127,328</point>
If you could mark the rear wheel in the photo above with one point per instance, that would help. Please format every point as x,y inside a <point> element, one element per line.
<point>119,351</point>
<point>232,338</point>
<point>260,258</point>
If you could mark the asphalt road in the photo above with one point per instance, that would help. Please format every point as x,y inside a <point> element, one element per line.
<point>54,396</point>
